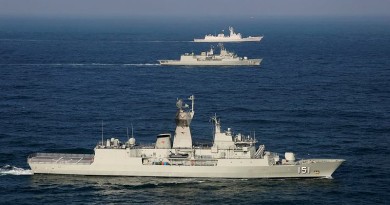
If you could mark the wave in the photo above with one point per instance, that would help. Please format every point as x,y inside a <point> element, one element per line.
<point>21,40</point>
<point>124,41</point>
<point>159,183</point>
<point>157,41</point>
<point>12,170</point>
<point>81,64</point>
<point>142,64</point>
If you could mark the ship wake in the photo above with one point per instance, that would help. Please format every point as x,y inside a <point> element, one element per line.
<point>83,64</point>
<point>12,170</point>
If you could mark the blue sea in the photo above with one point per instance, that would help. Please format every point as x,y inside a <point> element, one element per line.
<point>322,91</point>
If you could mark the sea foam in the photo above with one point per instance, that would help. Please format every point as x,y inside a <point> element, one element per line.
<point>12,170</point>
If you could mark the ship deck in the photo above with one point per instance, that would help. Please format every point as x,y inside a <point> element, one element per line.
<point>60,158</point>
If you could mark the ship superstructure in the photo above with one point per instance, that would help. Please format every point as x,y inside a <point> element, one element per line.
<point>233,37</point>
<point>230,156</point>
<point>209,58</point>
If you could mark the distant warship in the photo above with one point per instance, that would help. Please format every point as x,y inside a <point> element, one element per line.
<point>230,156</point>
<point>233,37</point>
<point>208,58</point>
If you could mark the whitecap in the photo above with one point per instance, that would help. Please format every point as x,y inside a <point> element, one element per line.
<point>12,170</point>
<point>141,64</point>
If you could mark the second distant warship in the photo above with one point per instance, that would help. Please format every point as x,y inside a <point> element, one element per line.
<point>232,155</point>
<point>233,37</point>
<point>208,58</point>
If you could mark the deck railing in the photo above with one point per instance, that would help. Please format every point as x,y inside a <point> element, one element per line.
<point>60,158</point>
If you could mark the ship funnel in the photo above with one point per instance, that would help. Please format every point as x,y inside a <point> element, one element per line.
<point>163,141</point>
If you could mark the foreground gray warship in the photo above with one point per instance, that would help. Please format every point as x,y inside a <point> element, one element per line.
<point>230,156</point>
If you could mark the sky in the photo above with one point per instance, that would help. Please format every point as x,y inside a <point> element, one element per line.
<point>193,8</point>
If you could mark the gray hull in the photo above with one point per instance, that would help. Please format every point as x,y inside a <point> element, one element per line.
<point>230,156</point>
<point>226,40</point>
<point>249,62</point>
<point>224,168</point>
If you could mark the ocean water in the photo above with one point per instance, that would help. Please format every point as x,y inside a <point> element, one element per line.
<point>322,91</point>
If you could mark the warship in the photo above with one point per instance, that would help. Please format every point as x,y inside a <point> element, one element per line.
<point>208,58</point>
<point>233,37</point>
<point>230,156</point>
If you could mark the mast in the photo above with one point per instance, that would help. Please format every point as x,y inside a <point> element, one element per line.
<point>102,134</point>
<point>183,138</point>
<point>217,124</point>
<point>214,121</point>
<point>192,98</point>
<point>132,131</point>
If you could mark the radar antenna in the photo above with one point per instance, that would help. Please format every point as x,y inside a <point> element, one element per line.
<point>179,104</point>
<point>220,45</point>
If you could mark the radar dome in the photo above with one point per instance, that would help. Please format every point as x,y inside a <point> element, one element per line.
<point>289,156</point>
<point>132,141</point>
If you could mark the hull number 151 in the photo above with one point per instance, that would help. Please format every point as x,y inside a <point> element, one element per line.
<point>303,170</point>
